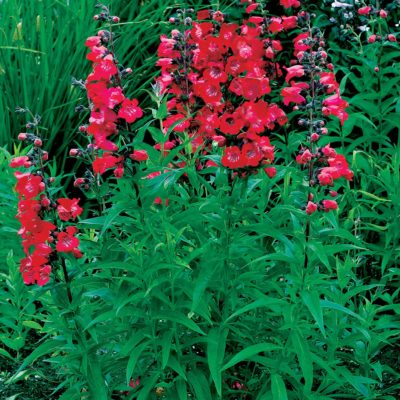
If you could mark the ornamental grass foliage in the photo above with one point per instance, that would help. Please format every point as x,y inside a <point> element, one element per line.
<point>225,225</point>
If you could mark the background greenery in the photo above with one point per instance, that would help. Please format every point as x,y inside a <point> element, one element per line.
<point>210,290</point>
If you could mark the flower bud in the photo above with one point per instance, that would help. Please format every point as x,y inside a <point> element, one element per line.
<point>314,137</point>
<point>219,140</point>
<point>74,152</point>
<point>22,136</point>
<point>376,69</point>
<point>333,193</point>
<point>119,172</point>
<point>79,181</point>
<point>324,131</point>
<point>45,156</point>
<point>82,128</point>
<point>45,201</point>
<point>311,208</point>
<point>270,171</point>
<point>37,142</point>
<point>372,39</point>
<point>96,17</point>
<point>392,38</point>
<point>139,155</point>
<point>383,14</point>
<point>115,19</point>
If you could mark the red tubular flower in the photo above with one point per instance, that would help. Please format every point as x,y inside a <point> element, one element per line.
<point>290,3</point>
<point>208,91</point>
<point>231,124</point>
<point>66,241</point>
<point>311,208</point>
<point>232,157</point>
<point>34,269</point>
<point>329,205</point>
<point>295,71</point>
<point>101,164</point>
<point>292,94</point>
<point>130,111</point>
<point>68,209</point>
<point>22,161</point>
<point>29,185</point>
<point>251,154</point>
<point>139,155</point>
<point>335,105</point>
<point>364,10</point>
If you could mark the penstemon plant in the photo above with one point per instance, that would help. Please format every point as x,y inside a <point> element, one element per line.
<point>205,271</point>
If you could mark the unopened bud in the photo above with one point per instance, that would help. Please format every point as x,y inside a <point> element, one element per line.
<point>314,137</point>
<point>37,142</point>
<point>219,140</point>
<point>96,17</point>
<point>74,152</point>
<point>115,19</point>
<point>372,39</point>
<point>333,193</point>
<point>172,20</point>
<point>45,201</point>
<point>52,179</point>
<point>376,69</point>
<point>79,181</point>
<point>22,136</point>
<point>45,156</point>
<point>324,131</point>
<point>82,128</point>
<point>391,38</point>
<point>383,14</point>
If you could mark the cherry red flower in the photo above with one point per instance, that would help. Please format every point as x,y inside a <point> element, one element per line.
<point>130,111</point>
<point>66,241</point>
<point>68,209</point>
<point>232,157</point>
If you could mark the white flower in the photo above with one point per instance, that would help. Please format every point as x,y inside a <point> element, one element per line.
<point>338,4</point>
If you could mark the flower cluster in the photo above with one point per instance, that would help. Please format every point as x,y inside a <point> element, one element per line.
<point>40,236</point>
<point>314,89</point>
<point>109,108</point>
<point>218,75</point>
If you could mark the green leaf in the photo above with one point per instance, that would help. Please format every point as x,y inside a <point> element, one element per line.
<point>180,319</point>
<point>339,307</point>
<point>300,347</point>
<point>45,348</point>
<point>216,342</point>
<point>313,303</point>
<point>199,384</point>
<point>166,343</point>
<point>33,325</point>
<point>249,352</point>
<point>134,357</point>
<point>278,388</point>
<point>263,302</point>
